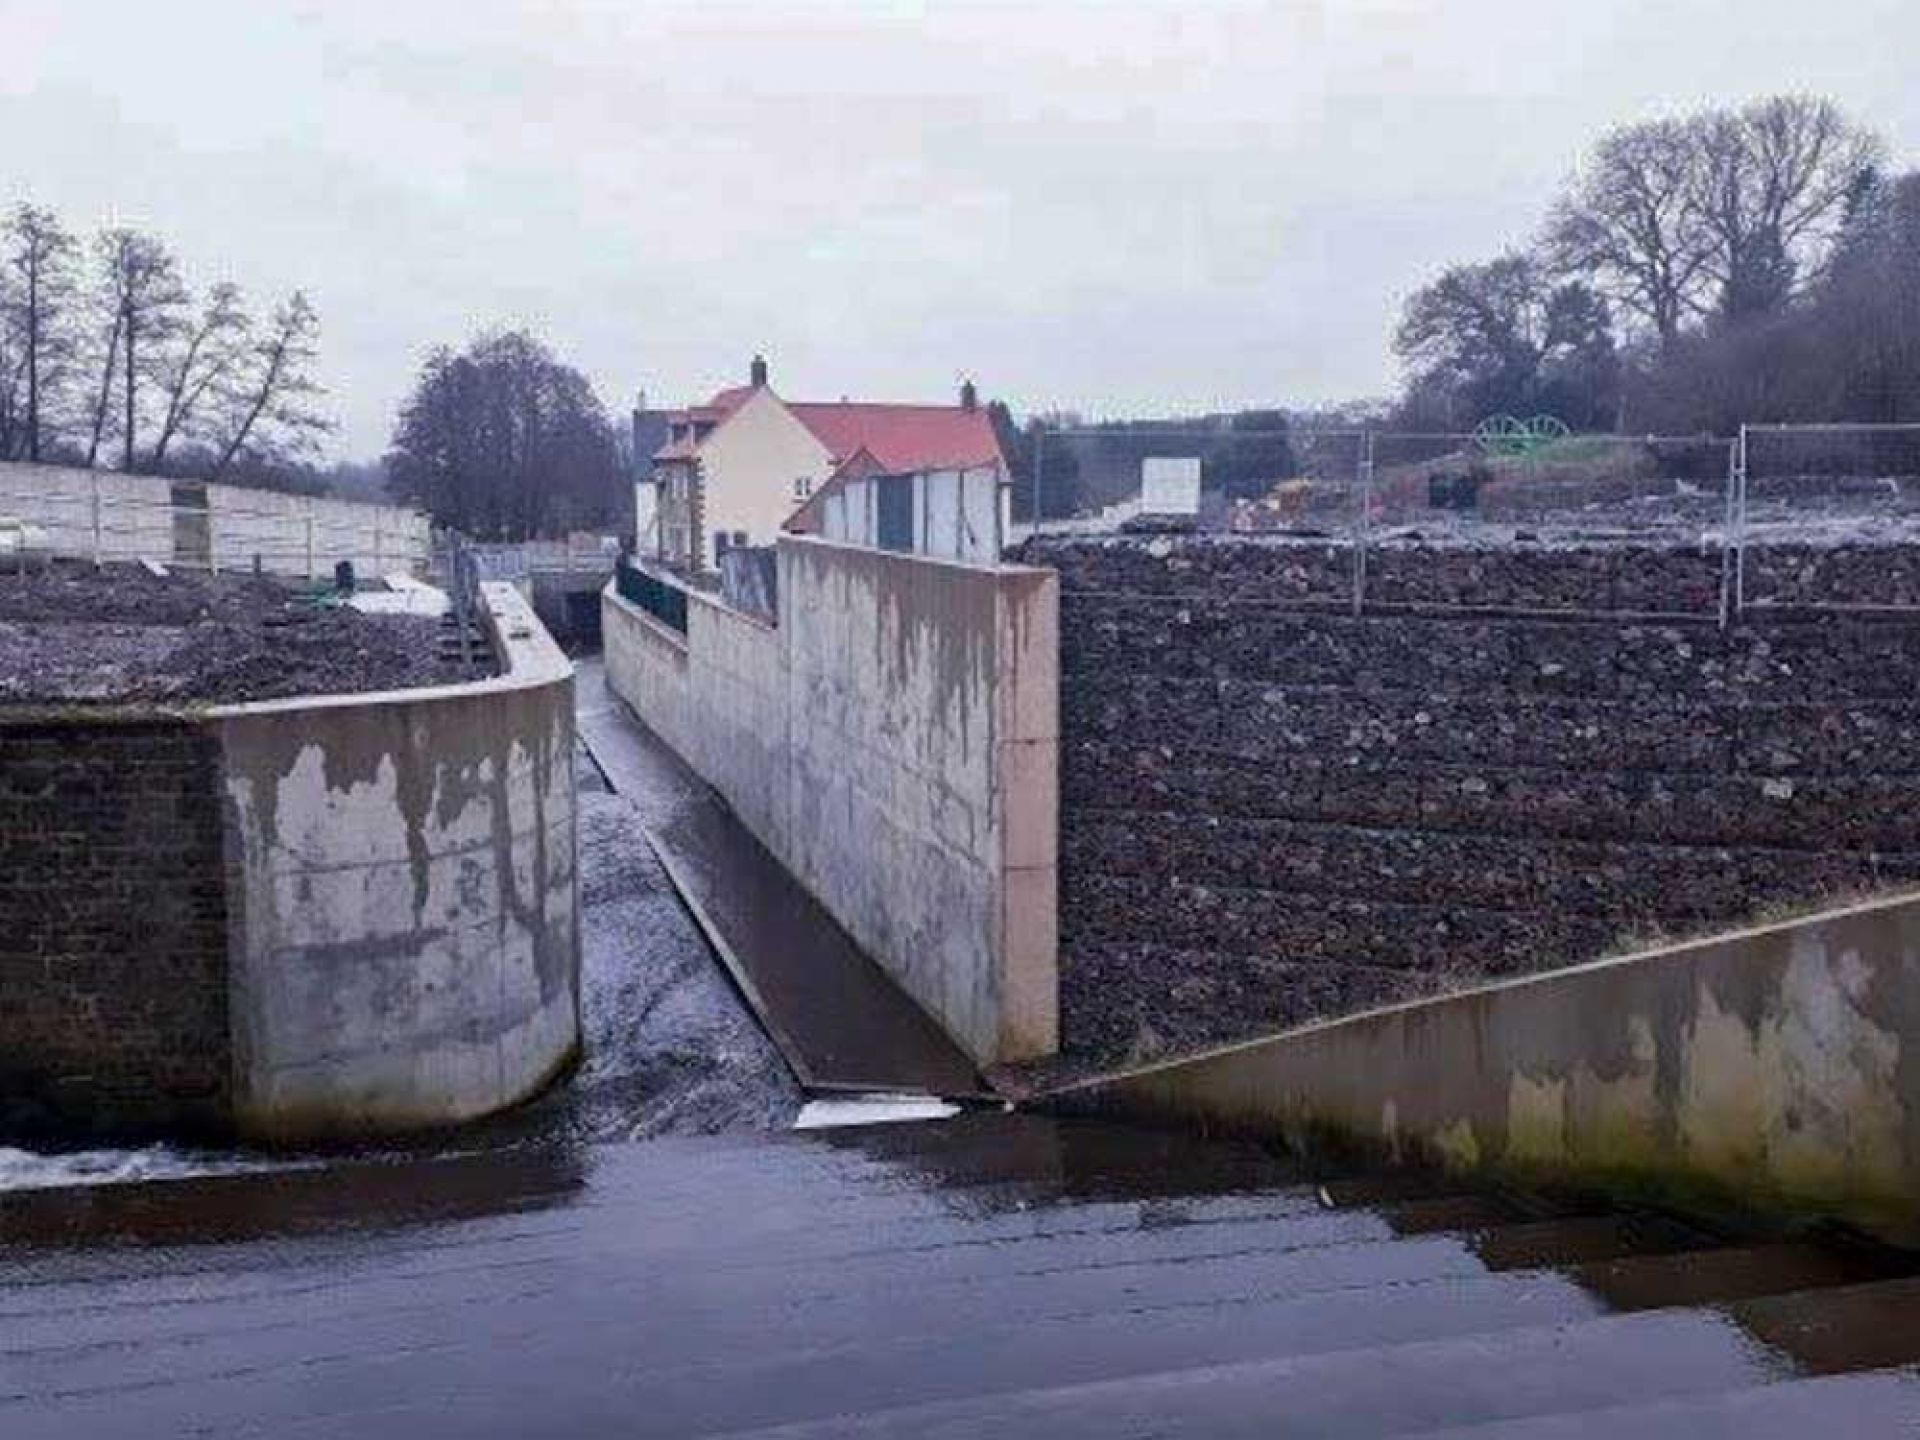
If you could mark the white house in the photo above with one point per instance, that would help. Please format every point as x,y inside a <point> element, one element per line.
<point>739,469</point>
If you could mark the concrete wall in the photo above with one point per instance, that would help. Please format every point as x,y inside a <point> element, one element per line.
<point>1276,811</point>
<point>1777,1067</point>
<point>137,520</point>
<point>376,538</point>
<point>59,499</point>
<point>329,916</point>
<point>405,943</point>
<point>893,742</point>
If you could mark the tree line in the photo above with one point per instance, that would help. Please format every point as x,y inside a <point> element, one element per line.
<point>1754,263</point>
<point>109,357</point>
<point>504,441</point>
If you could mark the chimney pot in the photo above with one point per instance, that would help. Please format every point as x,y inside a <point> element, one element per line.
<point>969,397</point>
<point>757,372</point>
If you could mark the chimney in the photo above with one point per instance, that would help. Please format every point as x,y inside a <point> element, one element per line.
<point>757,372</point>
<point>969,397</point>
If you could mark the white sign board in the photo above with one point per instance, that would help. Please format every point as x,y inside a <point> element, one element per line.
<point>1170,485</point>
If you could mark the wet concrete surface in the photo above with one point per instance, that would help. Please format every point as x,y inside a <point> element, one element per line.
<point>989,1275</point>
<point>841,1023</point>
<point>670,1047</point>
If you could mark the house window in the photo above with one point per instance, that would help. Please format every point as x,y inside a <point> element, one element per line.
<point>802,487</point>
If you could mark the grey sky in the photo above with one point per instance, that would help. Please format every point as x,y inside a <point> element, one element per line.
<point>1110,207</point>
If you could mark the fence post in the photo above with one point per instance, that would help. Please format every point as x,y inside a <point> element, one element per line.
<point>1363,520</point>
<point>1039,462</point>
<point>311,572</point>
<point>94,476</point>
<point>378,568</point>
<point>1740,528</point>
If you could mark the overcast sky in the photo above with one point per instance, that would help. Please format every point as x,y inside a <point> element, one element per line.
<point>1109,207</point>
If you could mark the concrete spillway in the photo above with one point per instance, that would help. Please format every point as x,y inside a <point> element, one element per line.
<point>989,1275</point>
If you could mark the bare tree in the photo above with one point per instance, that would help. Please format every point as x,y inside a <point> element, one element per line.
<point>1630,224</point>
<point>269,407</point>
<point>1771,185</point>
<point>40,256</point>
<point>209,354</point>
<point>1728,212</point>
<point>138,299</point>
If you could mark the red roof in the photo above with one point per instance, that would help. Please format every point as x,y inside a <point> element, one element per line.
<point>903,437</point>
<point>898,437</point>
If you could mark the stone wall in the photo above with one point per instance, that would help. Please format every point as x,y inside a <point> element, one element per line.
<point>332,916</point>
<point>113,974</point>
<point>1274,809</point>
<point>893,743</point>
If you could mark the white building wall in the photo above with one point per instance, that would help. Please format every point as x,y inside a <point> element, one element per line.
<point>749,465</point>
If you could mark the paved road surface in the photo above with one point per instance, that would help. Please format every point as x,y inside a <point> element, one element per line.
<point>987,1276</point>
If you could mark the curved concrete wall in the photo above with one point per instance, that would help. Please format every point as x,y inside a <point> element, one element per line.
<point>1778,1067</point>
<point>336,916</point>
<point>404,941</point>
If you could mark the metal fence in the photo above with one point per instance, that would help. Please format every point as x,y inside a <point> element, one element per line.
<point>1826,517</point>
<point>527,559</point>
<point>663,599</point>
<point>1776,516</point>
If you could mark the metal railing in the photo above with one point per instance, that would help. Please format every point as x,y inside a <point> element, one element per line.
<point>664,600</point>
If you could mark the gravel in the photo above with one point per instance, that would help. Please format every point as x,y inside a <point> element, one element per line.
<point>70,634</point>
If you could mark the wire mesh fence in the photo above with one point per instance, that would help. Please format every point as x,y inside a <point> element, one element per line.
<point>1825,517</point>
<point>1366,511</point>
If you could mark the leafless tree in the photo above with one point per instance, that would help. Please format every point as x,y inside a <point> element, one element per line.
<point>268,410</point>
<point>1727,212</point>
<point>138,301</point>
<point>1771,186</point>
<point>1630,224</point>
<point>39,255</point>
<point>207,354</point>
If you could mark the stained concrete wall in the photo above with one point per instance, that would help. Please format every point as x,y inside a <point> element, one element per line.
<point>327,916</point>
<point>1778,1067</point>
<point>893,741</point>
<point>404,926</point>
